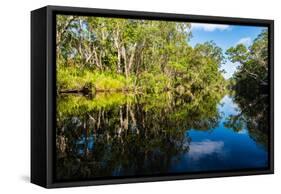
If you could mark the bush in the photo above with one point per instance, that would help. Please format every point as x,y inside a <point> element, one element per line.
<point>73,78</point>
<point>153,83</point>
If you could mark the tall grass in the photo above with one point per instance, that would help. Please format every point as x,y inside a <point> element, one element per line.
<point>73,78</point>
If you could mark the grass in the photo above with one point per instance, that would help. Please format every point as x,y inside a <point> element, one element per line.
<point>73,78</point>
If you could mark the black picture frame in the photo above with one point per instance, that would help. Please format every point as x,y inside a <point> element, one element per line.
<point>43,92</point>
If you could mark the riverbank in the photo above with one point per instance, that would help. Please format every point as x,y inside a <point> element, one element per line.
<point>73,80</point>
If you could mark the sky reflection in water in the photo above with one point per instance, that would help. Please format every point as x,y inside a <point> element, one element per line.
<point>221,148</point>
<point>150,143</point>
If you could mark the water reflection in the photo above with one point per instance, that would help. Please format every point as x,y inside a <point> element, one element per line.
<point>207,147</point>
<point>125,135</point>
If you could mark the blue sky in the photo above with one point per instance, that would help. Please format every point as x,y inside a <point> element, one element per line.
<point>225,36</point>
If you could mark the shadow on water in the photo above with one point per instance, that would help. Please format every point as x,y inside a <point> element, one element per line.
<point>124,135</point>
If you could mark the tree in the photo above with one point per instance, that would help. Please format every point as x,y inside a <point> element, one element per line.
<point>253,60</point>
<point>136,50</point>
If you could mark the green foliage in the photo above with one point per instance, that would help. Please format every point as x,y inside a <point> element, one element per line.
<point>137,55</point>
<point>107,81</point>
<point>250,86</point>
<point>253,70</point>
<point>152,83</point>
<point>211,50</point>
<point>150,86</point>
<point>238,54</point>
<point>72,78</point>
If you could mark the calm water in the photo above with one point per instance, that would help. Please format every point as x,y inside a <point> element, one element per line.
<point>127,135</point>
<point>222,148</point>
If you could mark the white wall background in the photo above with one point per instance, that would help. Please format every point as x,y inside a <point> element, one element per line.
<point>15,95</point>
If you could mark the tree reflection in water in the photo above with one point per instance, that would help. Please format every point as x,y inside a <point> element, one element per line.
<point>118,134</point>
<point>253,114</point>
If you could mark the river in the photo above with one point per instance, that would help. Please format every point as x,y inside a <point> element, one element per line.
<point>121,135</point>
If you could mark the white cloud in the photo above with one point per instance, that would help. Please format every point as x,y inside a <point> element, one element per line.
<point>207,147</point>
<point>209,27</point>
<point>229,68</point>
<point>246,41</point>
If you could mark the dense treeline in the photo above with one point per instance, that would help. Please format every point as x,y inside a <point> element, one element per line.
<point>140,55</point>
<point>169,87</point>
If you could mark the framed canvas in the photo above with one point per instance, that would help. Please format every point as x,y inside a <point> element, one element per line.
<point>126,96</point>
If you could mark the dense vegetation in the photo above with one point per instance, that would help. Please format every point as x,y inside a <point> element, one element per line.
<point>107,54</point>
<point>250,86</point>
<point>144,89</point>
<point>252,74</point>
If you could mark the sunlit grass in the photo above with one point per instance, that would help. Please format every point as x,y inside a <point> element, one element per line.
<point>72,78</point>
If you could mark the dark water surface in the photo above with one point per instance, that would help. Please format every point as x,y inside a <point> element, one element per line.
<point>128,135</point>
